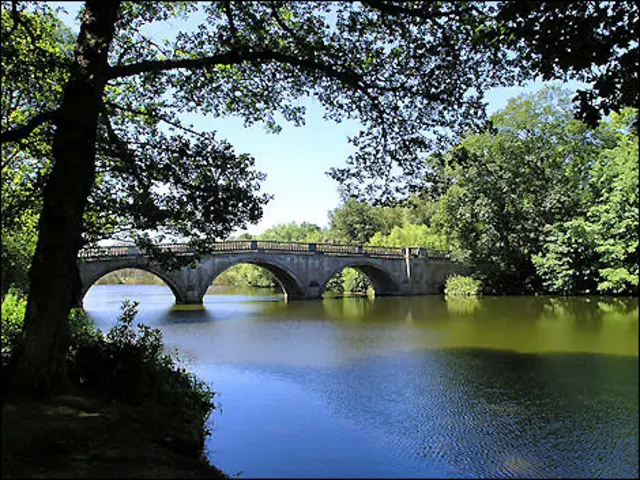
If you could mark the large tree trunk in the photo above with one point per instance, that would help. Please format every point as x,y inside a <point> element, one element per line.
<point>54,274</point>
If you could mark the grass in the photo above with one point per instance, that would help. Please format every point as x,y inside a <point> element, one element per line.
<point>76,437</point>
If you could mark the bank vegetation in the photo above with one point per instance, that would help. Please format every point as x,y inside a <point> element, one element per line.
<point>131,407</point>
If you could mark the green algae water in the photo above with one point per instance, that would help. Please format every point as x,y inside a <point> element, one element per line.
<point>407,387</point>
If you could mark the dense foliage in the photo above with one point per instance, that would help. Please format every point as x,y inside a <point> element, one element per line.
<point>559,39</point>
<point>13,307</point>
<point>127,364</point>
<point>411,234</point>
<point>597,249</point>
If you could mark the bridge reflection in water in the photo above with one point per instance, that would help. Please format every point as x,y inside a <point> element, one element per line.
<point>301,269</point>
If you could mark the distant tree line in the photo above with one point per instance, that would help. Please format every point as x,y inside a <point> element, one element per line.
<point>130,276</point>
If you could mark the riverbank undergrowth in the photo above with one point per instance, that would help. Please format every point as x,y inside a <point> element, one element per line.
<point>121,384</point>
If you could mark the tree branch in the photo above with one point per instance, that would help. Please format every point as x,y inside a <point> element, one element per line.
<point>158,117</point>
<point>8,158</point>
<point>297,38</point>
<point>124,153</point>
<point>15,16</point>
<point>345,75</point>
<point>348,77</point>
<point>392,9</point>
<point>232,25</point>
<point>20,133</point>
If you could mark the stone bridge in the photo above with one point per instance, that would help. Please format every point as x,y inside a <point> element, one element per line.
<point>301,269</point>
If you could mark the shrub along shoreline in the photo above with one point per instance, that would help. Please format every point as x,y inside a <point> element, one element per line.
<point>129,409</point>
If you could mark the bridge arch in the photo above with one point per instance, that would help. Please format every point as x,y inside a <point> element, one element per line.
<point>381,280</point>
<point>286,278</point>
<point>94,271</point>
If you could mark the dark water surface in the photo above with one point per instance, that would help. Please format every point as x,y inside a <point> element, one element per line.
<point>408,387</point>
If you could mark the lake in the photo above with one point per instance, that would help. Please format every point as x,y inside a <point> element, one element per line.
<point>406,386</point>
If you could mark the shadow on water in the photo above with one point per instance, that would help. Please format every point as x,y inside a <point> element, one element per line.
<point>486,413</point>
<point>450,413</point>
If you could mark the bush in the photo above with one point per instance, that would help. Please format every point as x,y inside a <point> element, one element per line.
<point>13,308</point>
<point>462,285</point>
<point>14,305</point>
<point>129,364</point>
<point>350,282</point>
<point>334,285</point>
<point>81,328</point>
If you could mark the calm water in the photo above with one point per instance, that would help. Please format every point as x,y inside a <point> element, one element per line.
<point>408,387</point>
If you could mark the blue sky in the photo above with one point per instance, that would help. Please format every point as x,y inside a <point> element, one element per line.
<point>296,159</point>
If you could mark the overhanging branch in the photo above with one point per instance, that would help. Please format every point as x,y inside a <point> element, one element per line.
<point>347,76</point>
<point>123,151</point>
<point>18,20</point>
<point>151,115</point>
<point>20,133</point>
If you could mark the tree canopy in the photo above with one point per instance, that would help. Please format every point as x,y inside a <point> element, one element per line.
<point>419,82</point>
<point>32,80</point>
<point>148,179</point>
<point>595,42</point>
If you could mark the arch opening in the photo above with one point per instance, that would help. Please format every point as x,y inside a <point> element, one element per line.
<point>253,276</point>
<point>348,282</point>
<point>359,280</point>
<point>130,277</point>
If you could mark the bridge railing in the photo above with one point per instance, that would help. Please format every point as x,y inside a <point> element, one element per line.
<point>429,253</point>
<point>99,253</point>
<point>130,251</point>
<point>106,252</point>
<point>277,246</point>
<point>231,246</point>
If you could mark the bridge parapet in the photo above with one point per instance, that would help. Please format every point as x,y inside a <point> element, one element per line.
<point>230,246</point>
